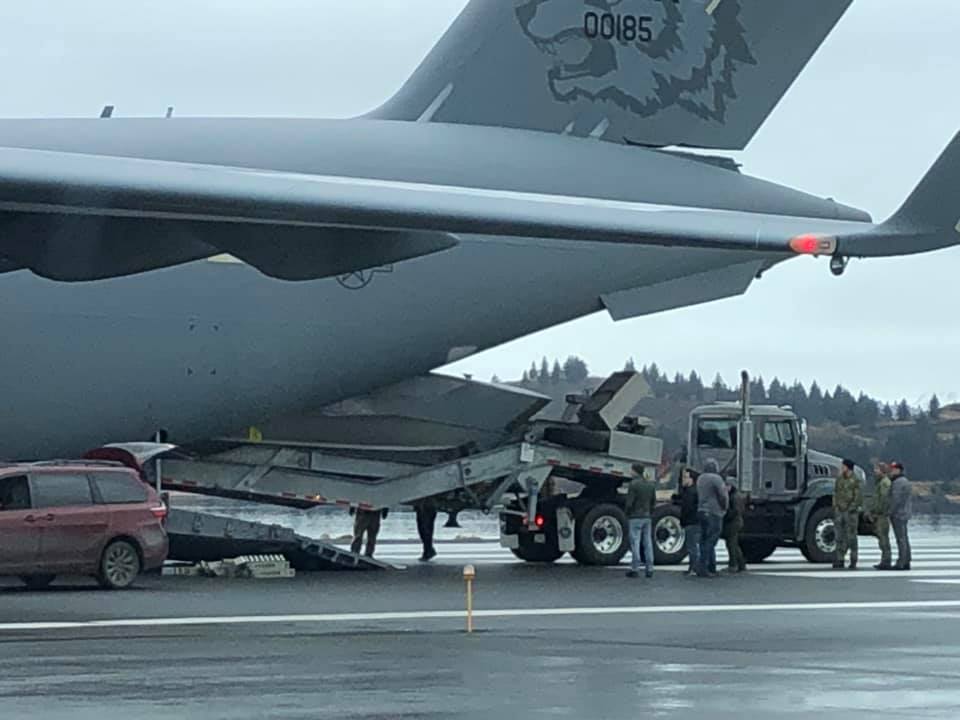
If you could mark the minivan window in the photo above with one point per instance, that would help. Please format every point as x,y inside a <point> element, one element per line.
<point>60,490</point>
<point>118,487</point>
<point>14,493</point>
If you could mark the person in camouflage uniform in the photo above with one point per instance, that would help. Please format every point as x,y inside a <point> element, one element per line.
<point>847,499</point>
<point>880,515</point>
<point>732,527</point>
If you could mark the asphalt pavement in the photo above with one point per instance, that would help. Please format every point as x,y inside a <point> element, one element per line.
<point>786,639</point>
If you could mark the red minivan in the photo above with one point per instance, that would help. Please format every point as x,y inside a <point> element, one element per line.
<point>79,518</point>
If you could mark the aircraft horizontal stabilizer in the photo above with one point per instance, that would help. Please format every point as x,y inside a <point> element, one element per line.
<point>928,220</point>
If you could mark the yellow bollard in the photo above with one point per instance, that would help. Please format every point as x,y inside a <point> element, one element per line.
<point>469,573</point>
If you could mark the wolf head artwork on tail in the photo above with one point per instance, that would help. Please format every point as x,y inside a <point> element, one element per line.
<point>664,54</point>
<point>701,73</point>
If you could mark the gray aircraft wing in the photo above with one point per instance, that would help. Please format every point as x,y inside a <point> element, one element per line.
<point>73,216</point>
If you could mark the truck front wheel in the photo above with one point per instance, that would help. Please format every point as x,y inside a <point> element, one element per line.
<point>602,535</point>
<point>820,537</point>
<point>669,539</point>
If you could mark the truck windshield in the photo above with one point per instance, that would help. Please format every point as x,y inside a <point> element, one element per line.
<point>717,433</point>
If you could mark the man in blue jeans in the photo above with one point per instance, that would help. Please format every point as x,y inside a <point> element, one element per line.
<point>641,497</point>
<point>712,503</point>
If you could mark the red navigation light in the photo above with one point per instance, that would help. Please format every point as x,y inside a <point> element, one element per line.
<point>539,520</point>
<point>811,244</point>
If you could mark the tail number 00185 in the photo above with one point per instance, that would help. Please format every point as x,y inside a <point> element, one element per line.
<point>614,26</point>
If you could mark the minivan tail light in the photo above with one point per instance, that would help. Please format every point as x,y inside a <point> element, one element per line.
<point>160,512</point>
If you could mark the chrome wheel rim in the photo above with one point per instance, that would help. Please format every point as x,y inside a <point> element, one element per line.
<point>606,534</point>
<point>669,535</point>
<point>825,536</point>
<point>121,564</point>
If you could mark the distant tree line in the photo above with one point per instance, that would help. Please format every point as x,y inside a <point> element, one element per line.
<point>573,370</point>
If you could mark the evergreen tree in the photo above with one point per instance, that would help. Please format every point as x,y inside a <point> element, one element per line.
<point>867,412</point>
<point>887,412</point>
<point>903,411</point>
<point>629,366</point>
<point>814,410</point>
<point>695,385</point>
<point>495,378</point>
<point>934,408</point>
<point>556,375</point>
<point>575,370</point>
<point>525,378</point>
<point>544,370</point>
<point>653,374</point>
<point>532,374</point>
<point>777,393</point>
<point>719,387</point>
<point>758,391</point>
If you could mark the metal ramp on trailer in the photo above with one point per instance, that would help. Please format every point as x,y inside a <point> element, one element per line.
<point>196,536</point>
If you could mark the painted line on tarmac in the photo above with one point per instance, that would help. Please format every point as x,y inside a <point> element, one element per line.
<point>459,614</point>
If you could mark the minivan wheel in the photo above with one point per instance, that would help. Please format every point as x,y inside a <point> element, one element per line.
<point>119,565</point>
<point>37,582</point>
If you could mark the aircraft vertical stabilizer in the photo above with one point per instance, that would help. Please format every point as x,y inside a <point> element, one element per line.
<point>702,73</point>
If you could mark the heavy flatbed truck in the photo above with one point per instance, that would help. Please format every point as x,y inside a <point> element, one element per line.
<point>558,486</point>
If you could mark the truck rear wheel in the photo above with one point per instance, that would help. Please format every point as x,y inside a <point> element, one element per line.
<point>757,550</point>
<point>820,538</point>
<point>669,539</point>
<point>530,551</point>
<point>602,535</point>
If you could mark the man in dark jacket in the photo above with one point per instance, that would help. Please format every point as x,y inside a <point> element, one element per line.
<point>426,510</point>
<point>641,498</point>
<point>901,508</point>
<point>686,498</point>
<point>712,503</point>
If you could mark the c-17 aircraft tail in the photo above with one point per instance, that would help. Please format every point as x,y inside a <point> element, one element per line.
<point>702,73</point>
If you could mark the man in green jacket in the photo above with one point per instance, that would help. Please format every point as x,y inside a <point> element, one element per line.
<point>847,500</point>
<point>880,515</point>
<point>641,498</point>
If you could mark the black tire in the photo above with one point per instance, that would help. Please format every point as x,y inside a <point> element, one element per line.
<point>119,565</point>
<point>757,550</point>
<point>602,535</point>
<point>531,551</point>
<point>669,539</point>
<point>37,582</point>
<point>819,537</point>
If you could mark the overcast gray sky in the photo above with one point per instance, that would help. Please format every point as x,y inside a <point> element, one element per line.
<point>870,113</point>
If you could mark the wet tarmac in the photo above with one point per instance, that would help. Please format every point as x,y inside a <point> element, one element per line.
<point>785,640</point>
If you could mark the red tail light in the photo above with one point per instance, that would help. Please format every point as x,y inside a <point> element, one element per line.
<point>539,520</point>
<point>160,512</point>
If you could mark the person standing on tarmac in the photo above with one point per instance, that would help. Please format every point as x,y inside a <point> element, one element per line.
<point>847,500</point>
<point>641,498</point>
<point>880,515</point>
<point>712,503</point>
<point>901,508</point>
<point>686,498</point>
<point>426,510</point>
<point>732,527</point>
<point>366,522</point>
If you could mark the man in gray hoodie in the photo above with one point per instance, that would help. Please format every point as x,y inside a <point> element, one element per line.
<point>901,508</point>
<point>713,501</point>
